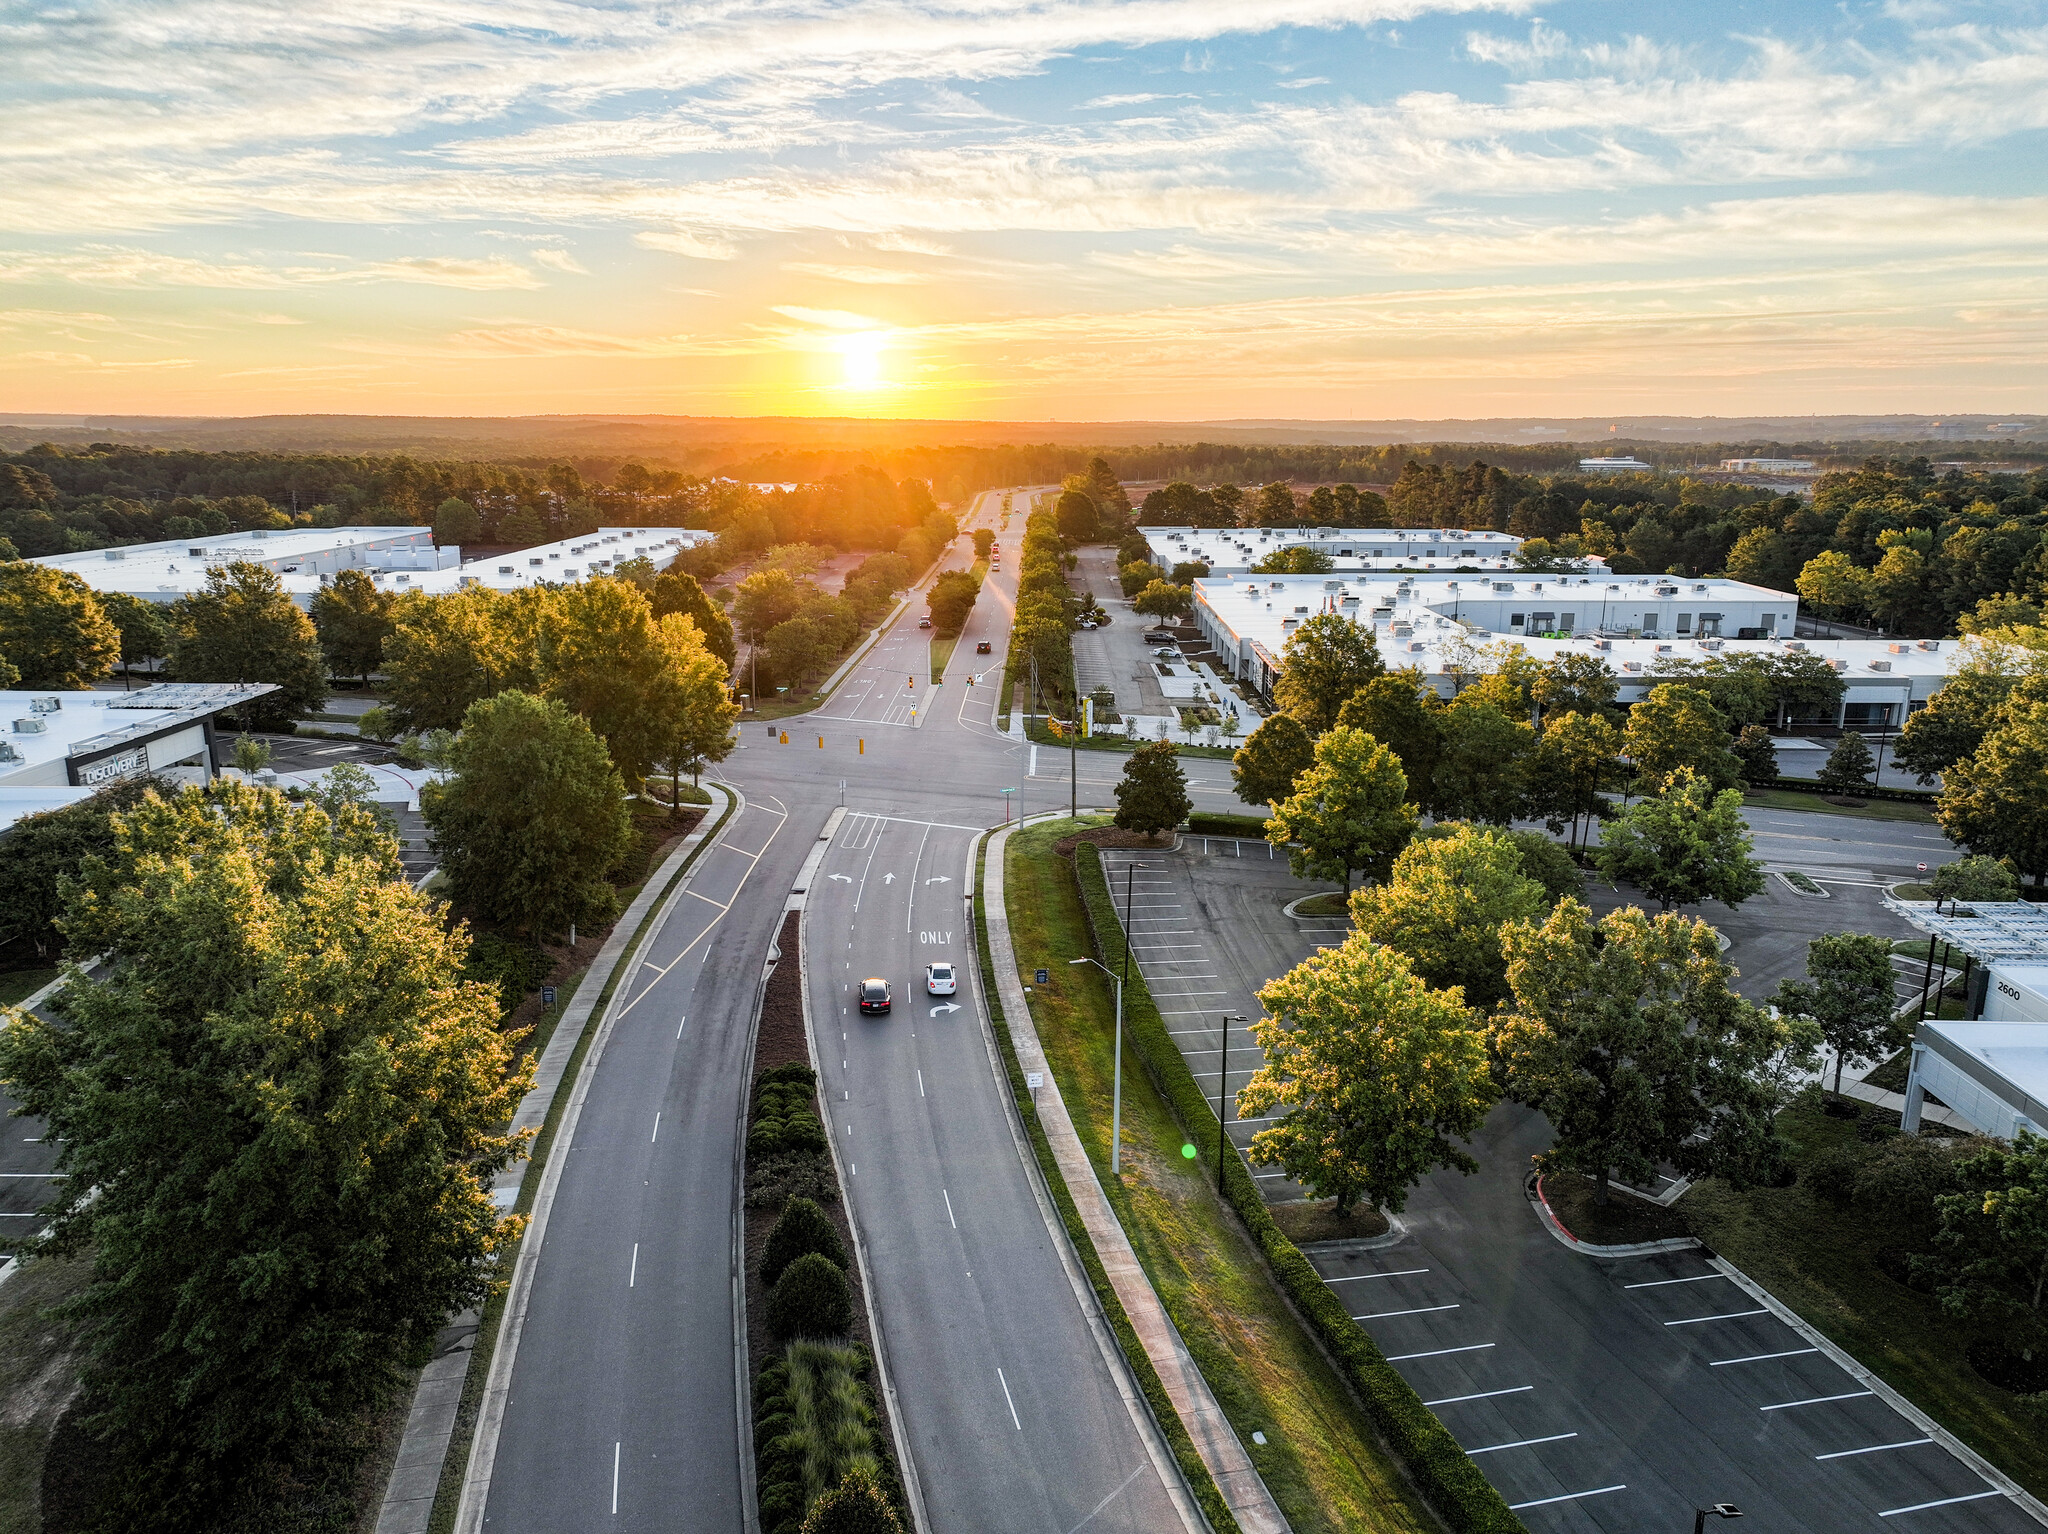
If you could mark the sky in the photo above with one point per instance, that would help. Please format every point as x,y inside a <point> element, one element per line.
<point>1023,209</point>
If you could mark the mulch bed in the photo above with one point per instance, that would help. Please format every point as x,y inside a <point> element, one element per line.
<point>1108,836</point>
<point>1622,1221</point>
<point>1313,1220</point>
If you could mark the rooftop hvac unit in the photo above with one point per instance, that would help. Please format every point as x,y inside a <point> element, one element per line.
<point>1699,586</point>
<point>1898,649</point>
<point>1504,586</point>
<point>8,753</point>
<point>117,553</point>
<point>196,553</point>
<point>1603,644</point>
<point>1838,663</point>
<point>46,705</point>
<point>31,726</point>
<point>1631,665</point>
<point>504,569</point>
<point>1880,665</point>
<point>1930,644</point>
<point>1793,644</point>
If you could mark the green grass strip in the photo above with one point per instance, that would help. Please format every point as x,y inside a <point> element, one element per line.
<point>1185,1454</point>
<point>1446,1477</point>
<point>448,1495</point>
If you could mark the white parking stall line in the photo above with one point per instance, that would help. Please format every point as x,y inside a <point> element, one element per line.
<point>1876,1448</point>
<point>1758,1358</point>
<point>1419,1310</point>
<point>1521,1443</point>
<point>1570,1496</point>
<point>1850,1395</point>
<point>1659,1283</point>
<point>1479,1395</point>
<point>1921,1507</point>
<point>1470,1347</point>
<point>1358,1277</point>
<point>1733,1315</point>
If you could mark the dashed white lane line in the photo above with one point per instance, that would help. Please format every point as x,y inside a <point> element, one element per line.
<point>1521,1443</point>
<point>615,1478</point>
<point>1007,1399</point>
<point>657,1127</point>
<point>949,1208</point>
<point>633,1273</point>
<point>1570,1496</point>
<point>1876,1448</point>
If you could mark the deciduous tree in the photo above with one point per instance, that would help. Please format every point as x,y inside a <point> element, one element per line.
<point>951,599</point>
<point>677,591</point>
<point>1153,793</point>
<point>1273,757</point>
<point>1676,727</point>
<point>457,522</point>
<point>1077,516</point>
<point>1690,843</point>
<point>242,627</point>
<point>146,632</point>
<point>446,653</point>
<point>53,631</point>
<point>533,819</point>
<point>277,1119</point>
<point>601,655</point>
<point>1481,771</point>
<point>1374,1077</point>
<point>1574,759</point>
<point>1991,1251</point>
<point>1348,812</point>
<point>1323,663</point>
<point>1165,601</point>
<point>1402,713</point>
<point>353,619</point>
<point>1444,905</point>
<point>1628,1036</point>
<point>1848,993</point>
<point>1996,801</point>
<point>1757,754</point>
<point>692,706</point>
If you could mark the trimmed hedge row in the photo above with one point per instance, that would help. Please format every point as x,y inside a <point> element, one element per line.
<point>1925,796</point>
<point>1450,1481</point>
<point>1251,826</point>
<point>1192,1468</point>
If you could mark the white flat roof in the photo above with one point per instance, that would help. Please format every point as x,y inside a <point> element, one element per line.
<point>177,565</point>
<point>566,560</point>
<point>89,723</point>
<point>2009,1058</point>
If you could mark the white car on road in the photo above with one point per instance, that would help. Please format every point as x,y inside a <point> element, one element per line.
<point>938,979</point>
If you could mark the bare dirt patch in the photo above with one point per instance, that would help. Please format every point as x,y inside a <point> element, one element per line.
<point>1622,1221</point>
<point>1313,1220</point>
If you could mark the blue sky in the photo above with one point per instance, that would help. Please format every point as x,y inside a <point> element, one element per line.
<point>1168,208</point>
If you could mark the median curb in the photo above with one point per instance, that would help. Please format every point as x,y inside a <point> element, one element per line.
<point>1532,1189</point>
<point>418,1469</point>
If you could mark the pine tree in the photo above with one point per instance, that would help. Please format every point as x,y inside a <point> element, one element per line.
<point>1848,766</point>
<point>1153,795</point>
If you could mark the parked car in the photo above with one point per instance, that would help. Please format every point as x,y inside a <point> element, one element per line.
<point>874,997</point>
<point>984,648</point>
<point>939,980</point>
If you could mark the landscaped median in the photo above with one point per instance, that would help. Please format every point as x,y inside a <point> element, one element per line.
<point>1348,1445</point>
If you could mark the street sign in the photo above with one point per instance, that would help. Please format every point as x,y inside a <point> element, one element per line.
<point>1923,868</point>
<point>547,996</point>
<point>1044,977</point>
<point>1034,1079</point>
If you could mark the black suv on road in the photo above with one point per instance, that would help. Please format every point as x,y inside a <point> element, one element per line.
<point>874,996</point>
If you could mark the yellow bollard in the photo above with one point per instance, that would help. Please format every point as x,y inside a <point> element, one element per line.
<point>821,742</point>
<point>785,737</point>
<point>863,749</point>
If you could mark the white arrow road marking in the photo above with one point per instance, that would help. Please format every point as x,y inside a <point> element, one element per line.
<point>941,879</point>
<point>842,878</point>
<point>888,878</point>
<point>950,1006</point>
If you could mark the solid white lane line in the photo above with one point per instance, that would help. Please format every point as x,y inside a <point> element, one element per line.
<point>1757,1358</point>
<point>1420,1310</point>
<point>633,1273</point>
<point>1356,1277</point>
<point>657,1126</point>
<point>1733,1315</point>
<point>1470,1347</point>
<point>1479,1395</point>
<point>1521,1443</point>
<point>615,1480</point>
<point>949,1208</point>
<point>679,1026</point>
<point>1876,1448</point>
<point>1921,1507</point>
<point>1570,1496</point>
<point>1659,1283</point>
<point>1006,1397</point>
<point>1850,1395</point>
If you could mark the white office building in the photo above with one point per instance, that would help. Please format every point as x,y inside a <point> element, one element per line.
<point>396,558</point>
<point>1990,1067</point>
<point>1351,548</point>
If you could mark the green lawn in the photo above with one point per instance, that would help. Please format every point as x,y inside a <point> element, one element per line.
<point>17,985</point>
<point>1823,1262</point>
<point>1321,1459</point>
<point>1873,809</point>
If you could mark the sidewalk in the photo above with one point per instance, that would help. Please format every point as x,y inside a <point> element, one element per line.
<point>1217,1442</point>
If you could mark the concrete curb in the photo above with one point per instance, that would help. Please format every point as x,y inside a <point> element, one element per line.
<point>1397,1232</point>
<point>415,1481</point>
<point>1250,1502</point>
<point>1532,1189</point>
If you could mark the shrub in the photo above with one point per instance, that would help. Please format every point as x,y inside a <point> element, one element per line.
<point>1897,1183</point>
<point>774,1180</point>
<point>1830,1174</point>
<point>785,1114</point>
<point>810,1299</point>
<point>514,967</point>
<point>804,1228</point>
<point>855,1506</point>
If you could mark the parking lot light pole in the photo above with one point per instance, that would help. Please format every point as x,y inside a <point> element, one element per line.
<point>1718,1510</point>
<point>1116,1100</point>
<point>1222,1092</point>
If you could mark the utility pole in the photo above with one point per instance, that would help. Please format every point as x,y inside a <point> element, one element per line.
<point>1222,1095</point>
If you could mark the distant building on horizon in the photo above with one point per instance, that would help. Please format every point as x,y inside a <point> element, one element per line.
<point>1768,465</point>
<point>1615,466</point>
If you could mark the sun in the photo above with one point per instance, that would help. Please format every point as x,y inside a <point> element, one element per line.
<point>861,358</point>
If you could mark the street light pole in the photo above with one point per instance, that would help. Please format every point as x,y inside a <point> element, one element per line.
<point>1222,1091</point>
<point>1700,1515</point>
<point>1116,1099</point>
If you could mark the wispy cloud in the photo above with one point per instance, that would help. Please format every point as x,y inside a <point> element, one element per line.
<point>108,266</point>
